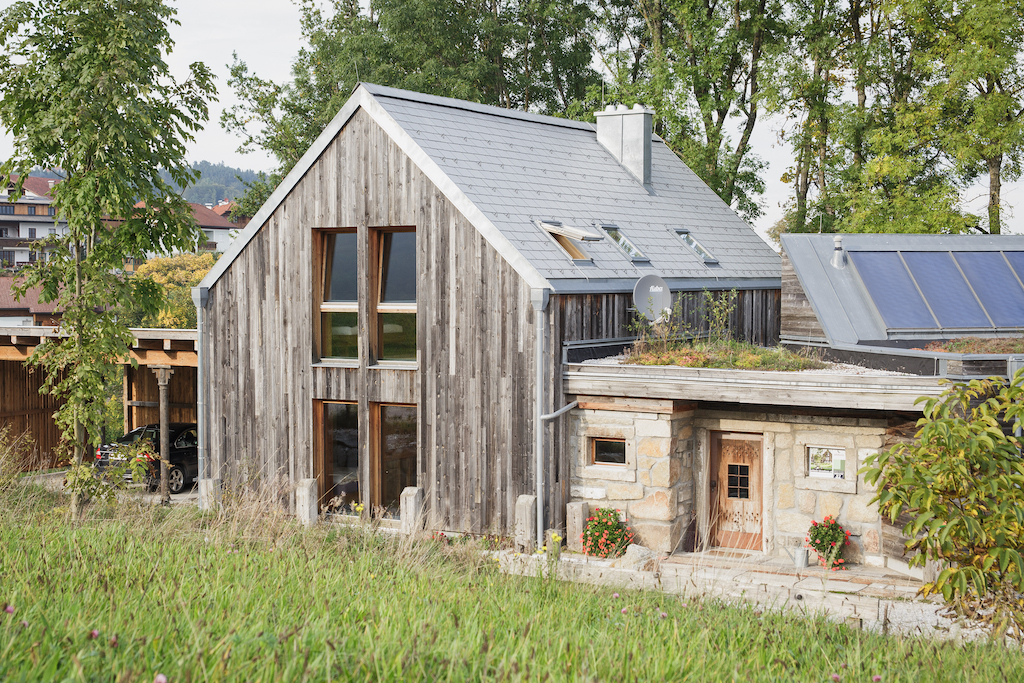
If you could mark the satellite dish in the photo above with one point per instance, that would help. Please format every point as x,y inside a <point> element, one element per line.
<point>652,298</point>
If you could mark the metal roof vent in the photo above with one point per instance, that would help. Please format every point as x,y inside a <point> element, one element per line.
<point>839,254</point>
<point>626,133</point>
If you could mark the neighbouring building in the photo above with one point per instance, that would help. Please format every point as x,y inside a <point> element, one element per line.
<point>24,222</point>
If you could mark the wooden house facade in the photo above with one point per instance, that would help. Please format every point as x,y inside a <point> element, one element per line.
<point>394,316</point>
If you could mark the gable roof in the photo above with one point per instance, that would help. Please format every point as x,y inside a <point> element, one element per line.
<point>505,170</point>
<point>208,218</point>
<point>897,287</point>
<point>29,303</point>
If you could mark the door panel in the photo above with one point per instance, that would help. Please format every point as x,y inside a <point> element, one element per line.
<point>736,492</point>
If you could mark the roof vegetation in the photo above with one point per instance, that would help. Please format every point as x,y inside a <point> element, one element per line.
<point>978,345</point>
<point>721,354</point>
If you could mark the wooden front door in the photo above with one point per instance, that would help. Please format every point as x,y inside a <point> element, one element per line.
<point>735,500</point>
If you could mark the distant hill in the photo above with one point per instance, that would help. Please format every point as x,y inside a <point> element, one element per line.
<point>216,182</point>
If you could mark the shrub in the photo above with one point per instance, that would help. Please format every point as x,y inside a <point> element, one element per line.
<point>828,539</point>
<point>15,450</point>
<point>962,482</point>
<point>606,535</point>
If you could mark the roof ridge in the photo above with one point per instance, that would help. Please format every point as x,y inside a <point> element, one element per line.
<point>488,109</point>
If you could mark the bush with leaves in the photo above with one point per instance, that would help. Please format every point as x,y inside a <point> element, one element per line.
<point>828,539</point>
<point>606,535</point>
<point>961,481</point>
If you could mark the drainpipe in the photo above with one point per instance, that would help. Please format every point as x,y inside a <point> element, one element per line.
<point>539,298</point>
<point>200,296</point>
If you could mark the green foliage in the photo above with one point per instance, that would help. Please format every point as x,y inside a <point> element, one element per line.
<point>962,482</point>
<point>213,183</point>
<point>87,91</point>
<point>15,452</point>
<point>606,535</point>
<point>176,276</point>
<point>828,540</point>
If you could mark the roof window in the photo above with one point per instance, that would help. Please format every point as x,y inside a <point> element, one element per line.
<point>570,239</point>
<point>620,239</point>
<point>698,248</point>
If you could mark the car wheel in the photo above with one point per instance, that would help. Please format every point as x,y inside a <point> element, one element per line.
<point>175,479</point>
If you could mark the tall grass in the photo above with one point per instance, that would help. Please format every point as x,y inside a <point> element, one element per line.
<point>136,590</point>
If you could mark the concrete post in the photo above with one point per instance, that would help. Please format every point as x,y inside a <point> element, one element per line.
<point>412,510</point>
<point>163,375</point>
<point>306,502</point>
<point>576,515</point>
<point>209,494</point>
<point>526,521</point>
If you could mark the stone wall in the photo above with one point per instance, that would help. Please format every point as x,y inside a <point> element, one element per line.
<point>661,489</point>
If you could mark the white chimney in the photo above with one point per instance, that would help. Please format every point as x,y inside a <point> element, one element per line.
<point>626,133</point>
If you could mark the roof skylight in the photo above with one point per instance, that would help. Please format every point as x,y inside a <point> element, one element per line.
<point>623,242</point>
<point>570,239</point>
<point>698,248</point>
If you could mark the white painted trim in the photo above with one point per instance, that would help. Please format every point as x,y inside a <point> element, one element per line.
<point>362,98</point>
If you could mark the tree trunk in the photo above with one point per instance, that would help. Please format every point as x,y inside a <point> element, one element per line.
<point>995,186</point>
<point>79,452</point>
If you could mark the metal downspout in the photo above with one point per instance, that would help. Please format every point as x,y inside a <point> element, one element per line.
<point>200,296</point>
<point>539,298</point>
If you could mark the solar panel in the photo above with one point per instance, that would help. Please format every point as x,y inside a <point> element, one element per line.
<point>1016,259</point>
<point>996,286</point>
<point>892,290</point>
<point>945,289</point>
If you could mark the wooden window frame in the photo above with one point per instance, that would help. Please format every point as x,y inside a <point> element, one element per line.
<point>376,288</point>
<point>319,305</point>
<point>593,452</point>
<point>320,448</point>
<point>374,442</point>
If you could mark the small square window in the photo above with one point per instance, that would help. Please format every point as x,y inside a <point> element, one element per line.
<point>609,451</point>
<point>31,233</point>
<point>31,211</point>
<point>697,248</point>
<point>826,462</point>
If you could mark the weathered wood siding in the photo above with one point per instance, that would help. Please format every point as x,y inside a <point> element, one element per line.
<point>475,333</point>
<point>754,317</point>
<point>141,387</point>
<point>23,408</point>
<point>798,318</point>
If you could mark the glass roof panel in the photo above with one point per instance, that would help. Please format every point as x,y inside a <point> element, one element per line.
<point>945,289</point>
<point>1016,259</point>
<point>892,290</point>
<point>995,285</point>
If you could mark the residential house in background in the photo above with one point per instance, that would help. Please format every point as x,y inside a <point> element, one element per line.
<point>225,207</point>
<point>28,311</point>
<point>24,222</point>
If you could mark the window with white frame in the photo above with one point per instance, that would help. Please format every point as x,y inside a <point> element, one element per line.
<point>570,239</point>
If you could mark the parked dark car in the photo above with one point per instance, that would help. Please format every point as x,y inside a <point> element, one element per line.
<point>184,456</point>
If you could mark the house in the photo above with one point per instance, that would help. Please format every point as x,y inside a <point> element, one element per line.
<point>28,310</point>
<point>24,222</point>
<point>225,208</point>
<point>395,316</point>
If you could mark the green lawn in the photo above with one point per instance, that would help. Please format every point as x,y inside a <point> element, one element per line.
<point>248,596</point>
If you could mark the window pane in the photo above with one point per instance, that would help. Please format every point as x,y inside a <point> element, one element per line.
<point>892,290</point>
<point>397,454</point>
<point>398,268</point>
<point>624,243</point>
<point>945,289</point>
<point>609,452</point>
<point>397,336</point>
<point>340,335</point>
<point>341,450</point>
<point>340,267</point>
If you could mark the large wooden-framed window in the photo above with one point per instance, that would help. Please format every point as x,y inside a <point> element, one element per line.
<point>338,462</point>
<point>394,433</point>
<point>395,290</point>
<point>339,299</point>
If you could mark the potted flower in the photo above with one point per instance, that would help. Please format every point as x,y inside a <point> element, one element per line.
<point>606,535</point>
<point>828,539</point>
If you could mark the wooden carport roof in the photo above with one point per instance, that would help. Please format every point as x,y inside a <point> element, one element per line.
<point>174,348</point>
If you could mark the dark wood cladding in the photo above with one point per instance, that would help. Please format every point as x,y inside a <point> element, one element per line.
<point>754,318</point>
<point>23,408</point>
<point>141,387</point>
<point>798,318</point>
<point>475,335</point>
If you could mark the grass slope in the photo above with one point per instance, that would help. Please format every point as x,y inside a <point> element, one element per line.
<point>247,596</point>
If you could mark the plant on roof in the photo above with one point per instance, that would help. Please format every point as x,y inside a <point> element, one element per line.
<point>961,481</point>
<point>606,535</point>
<point>828,540</point>
<point>87,91</point>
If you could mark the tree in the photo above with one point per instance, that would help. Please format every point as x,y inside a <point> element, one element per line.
<point>176,276</point>
<point>962,482</point>
<point>87,91</point>
<point>520,54</point>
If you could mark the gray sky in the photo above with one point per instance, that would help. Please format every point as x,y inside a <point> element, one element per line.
<point>266,35</point>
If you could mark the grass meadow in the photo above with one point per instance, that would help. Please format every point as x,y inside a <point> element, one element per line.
<point>135,592</point>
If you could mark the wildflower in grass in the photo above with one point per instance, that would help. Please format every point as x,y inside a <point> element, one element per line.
<point>623,610</point>
<point>160,678</point>
<point>836,677</point>
<point>24,624</point>
<point>876,678</point>
<point>615,595</point>
<point>662,615</point>
<point>9,609</point>
<point>113,640</point>
<point>94,634</point>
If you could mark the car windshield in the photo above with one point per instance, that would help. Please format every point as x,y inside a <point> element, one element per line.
<point>187,439</point>
<point>132,436</point>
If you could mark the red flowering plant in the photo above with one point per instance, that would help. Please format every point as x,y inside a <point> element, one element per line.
<point>606,535</point>
<point>828,539</point>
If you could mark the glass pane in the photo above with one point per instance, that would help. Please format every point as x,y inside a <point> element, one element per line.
<point>570,248</point>
<point>397,336</point>
<point>945,289</point>
<point>340,332</point>
<point>892,290</point>
<point>738,481</point>
<point>826,463</point>
<point>624,243</point>
<point>609,452</point>
<point>397,455</point>
<point>341,446</point>
<point>998,289</point>
<point>398,268</point>
<point>340,267</point>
